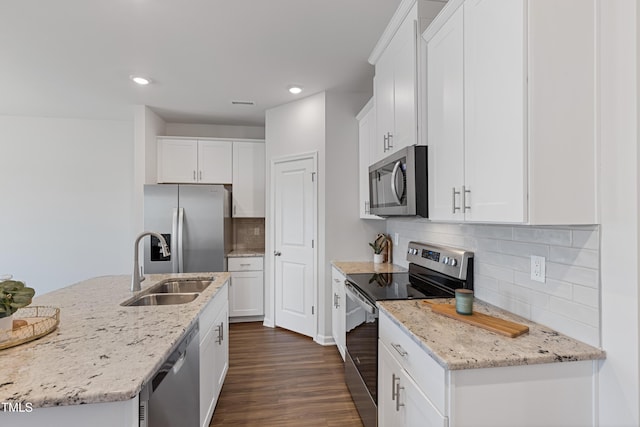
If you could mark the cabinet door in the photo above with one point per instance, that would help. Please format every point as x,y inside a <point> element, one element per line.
<point>221,355</point>
<point>405,128</point>
<point>445,118</point>
<point>207,375</point>
<point>248,179</point>
<point>418,410</point>
<point>338,311</point>
<point>494,70</point>
<point>215,162</point>
<point>384,95</point>
<point>246,294</point>
<point>366,139</point>
<point>389,375</point>
<point>177,160</point>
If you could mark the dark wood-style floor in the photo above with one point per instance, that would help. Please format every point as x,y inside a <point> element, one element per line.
<point>279,378</point>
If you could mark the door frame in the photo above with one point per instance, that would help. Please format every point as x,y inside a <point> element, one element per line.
<point>269,257</point>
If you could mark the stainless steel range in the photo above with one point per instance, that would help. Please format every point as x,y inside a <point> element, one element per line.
<point>434,272</point>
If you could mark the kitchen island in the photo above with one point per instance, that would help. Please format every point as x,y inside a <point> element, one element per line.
<point>100,356</point>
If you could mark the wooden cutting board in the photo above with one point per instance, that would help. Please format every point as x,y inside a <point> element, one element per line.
<point>493,324</point>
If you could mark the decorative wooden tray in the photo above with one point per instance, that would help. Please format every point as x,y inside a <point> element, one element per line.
<point>490,323</point>
<point>30,323</point>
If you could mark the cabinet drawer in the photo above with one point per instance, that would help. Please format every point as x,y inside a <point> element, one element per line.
<point>245,263</point>
<point>213,308</point>
<point>425,371</point>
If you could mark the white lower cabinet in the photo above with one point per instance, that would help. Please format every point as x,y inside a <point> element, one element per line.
<point>400,400</point>
<point>338,310</point>
<point>414,390</point>
<point>214,352</point>
<point>246,293</point>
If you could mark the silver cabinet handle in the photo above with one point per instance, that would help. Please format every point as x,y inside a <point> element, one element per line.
<point>337,301</point>
<point>385,140</point>
<point>399,349</point>
<point>464,198</point>
<point>398,404</point>
<point>220,328</point>
<point>389,139</point>
<point>277,253</point>
<point>453,200</point>
<point>234,209</point>
<point>194,174</point>
<point>200,175</point>
<point>245,264</point>
<point>393,386</point>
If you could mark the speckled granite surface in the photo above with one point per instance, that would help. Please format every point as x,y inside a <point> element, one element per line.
<point>355,267</point>
<point>457,345</point>
<point>238,253</point>
<point>101,351</point>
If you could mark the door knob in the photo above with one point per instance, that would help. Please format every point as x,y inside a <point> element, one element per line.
<point>277,253</point>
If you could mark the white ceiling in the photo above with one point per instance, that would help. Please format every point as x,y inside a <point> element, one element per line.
<point>73,58</point>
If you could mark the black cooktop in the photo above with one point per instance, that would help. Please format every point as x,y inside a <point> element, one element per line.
<point>400,286</point>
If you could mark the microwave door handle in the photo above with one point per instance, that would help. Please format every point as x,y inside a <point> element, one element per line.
<point>394,174</point>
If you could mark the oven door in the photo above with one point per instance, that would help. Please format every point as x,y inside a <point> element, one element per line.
<point>361,355</point>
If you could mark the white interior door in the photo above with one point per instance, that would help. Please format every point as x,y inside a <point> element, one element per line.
<point>294,221</point>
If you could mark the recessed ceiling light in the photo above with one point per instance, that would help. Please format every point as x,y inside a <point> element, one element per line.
<point>142,81</point>
<point>295,89</point>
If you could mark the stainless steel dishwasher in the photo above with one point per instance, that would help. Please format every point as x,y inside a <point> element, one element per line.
<point>171,398</point>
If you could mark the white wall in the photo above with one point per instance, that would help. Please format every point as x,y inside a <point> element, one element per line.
<point>214,131</point>
<point>569,301</point>
<point>66,197</point>
<point>148,125</point>
<point>325,123</point>
<point>620,214</point>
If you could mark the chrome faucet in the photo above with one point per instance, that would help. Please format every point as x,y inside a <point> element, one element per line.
<point>137,277</point>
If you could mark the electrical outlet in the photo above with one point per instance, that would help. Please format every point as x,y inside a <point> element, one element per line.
<point>396,239</point>
<point>538,269</point>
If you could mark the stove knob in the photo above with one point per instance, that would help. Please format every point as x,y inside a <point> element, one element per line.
<point>453,262</point>
<point>445,260</point>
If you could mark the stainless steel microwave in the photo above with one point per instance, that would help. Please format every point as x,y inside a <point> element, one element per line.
<point>398,183</point>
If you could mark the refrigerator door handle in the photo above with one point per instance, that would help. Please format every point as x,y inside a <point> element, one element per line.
<point>174,241</point>
<point>180,242</point>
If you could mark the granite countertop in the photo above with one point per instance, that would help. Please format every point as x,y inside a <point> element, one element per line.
<point>101,351</point>
<point>457,345</point>
<point>238,253</point>
<point>354,267</point>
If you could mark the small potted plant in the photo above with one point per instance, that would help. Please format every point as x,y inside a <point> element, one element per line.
<point>378,246</point>
<point>13,295</point>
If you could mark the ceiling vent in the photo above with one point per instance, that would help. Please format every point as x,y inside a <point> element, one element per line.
<point>243,103</point>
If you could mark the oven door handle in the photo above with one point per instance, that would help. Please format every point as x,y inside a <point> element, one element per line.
<point>355,295</point>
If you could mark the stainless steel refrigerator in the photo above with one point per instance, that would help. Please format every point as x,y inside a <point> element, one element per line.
<point>195,220</point>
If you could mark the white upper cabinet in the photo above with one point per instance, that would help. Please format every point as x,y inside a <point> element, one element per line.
<point>395,90</point>
<point>509,114</point>
<point>177,160</point>
<point>445,118</point>
<point>366,135</point>
<point>184,160</point>
<point>249,179</point>
<point>215,162</point>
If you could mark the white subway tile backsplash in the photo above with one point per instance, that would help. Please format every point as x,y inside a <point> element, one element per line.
<point>586,239</point>
<point>579,312</point>
<point>523,249</point>
<point>568,301</point>
<point>578,275</point>
<point>571,327</point>
<point>542,235</point>
<point>586,296</point>
<point>572,256</point>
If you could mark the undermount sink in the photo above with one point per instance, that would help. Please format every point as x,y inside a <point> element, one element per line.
<point>170,292</point>
<point>161,299</point>
<point>180,286</point>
